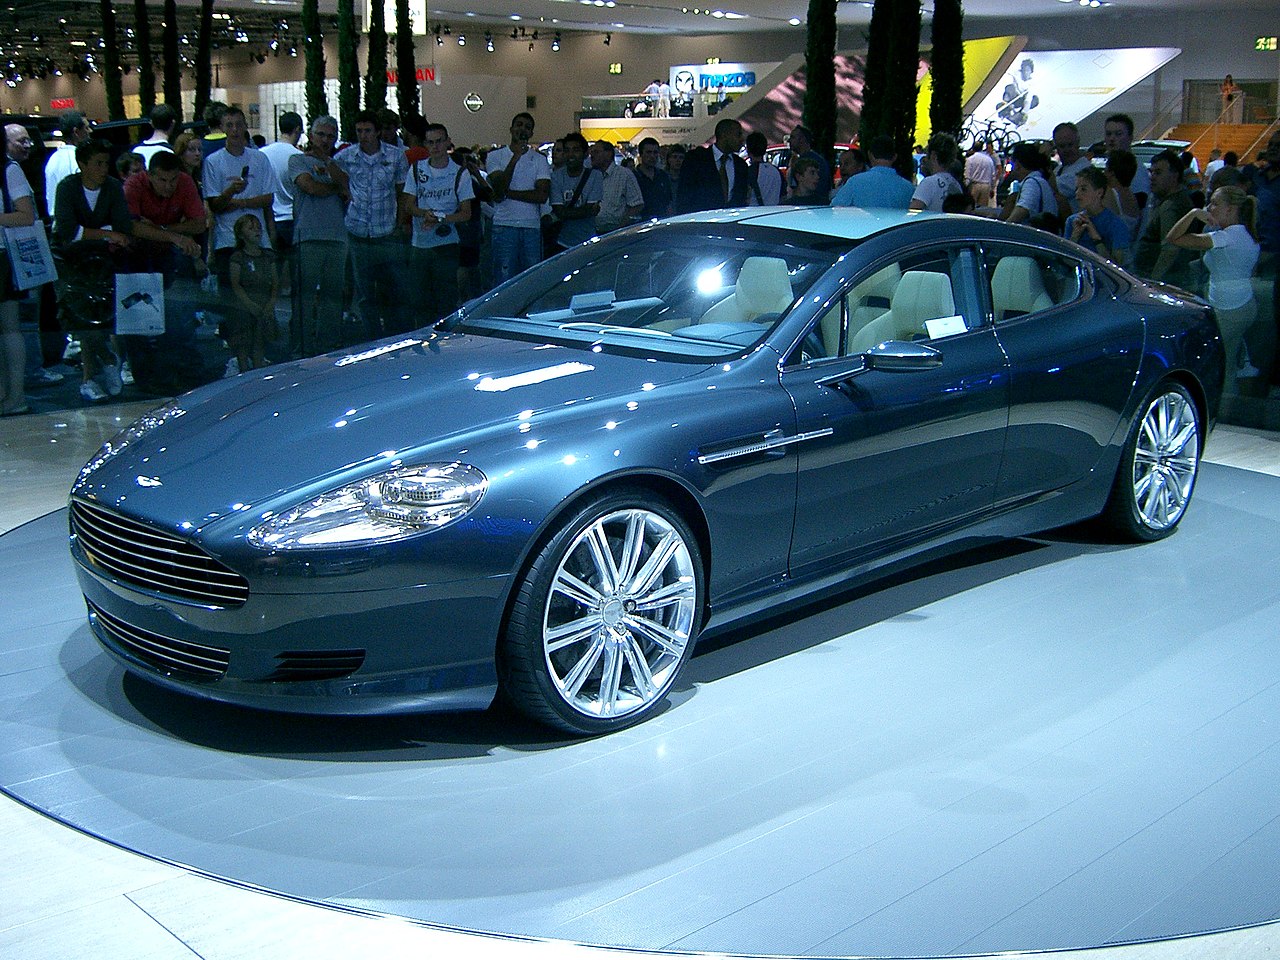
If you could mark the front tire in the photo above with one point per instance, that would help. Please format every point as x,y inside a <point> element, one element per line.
<point>1158,467</point>
<point>606,616</point>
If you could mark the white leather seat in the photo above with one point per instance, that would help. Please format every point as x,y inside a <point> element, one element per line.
<point>1017,288</point>
<point>920,295</point>
<point>764,286</point>
<point>867,301</point>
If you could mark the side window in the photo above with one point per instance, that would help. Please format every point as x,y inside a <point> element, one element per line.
<point>918,297</point>
<point>1027,281</point>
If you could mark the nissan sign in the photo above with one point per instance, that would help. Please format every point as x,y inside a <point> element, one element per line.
<point>473,102</point>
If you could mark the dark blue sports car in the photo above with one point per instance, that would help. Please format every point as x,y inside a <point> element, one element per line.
<point>643,440</point>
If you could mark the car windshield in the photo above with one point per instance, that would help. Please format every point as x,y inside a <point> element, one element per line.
<point>687,291</point>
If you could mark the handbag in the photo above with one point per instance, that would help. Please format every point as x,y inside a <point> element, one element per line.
<point>30,259</point>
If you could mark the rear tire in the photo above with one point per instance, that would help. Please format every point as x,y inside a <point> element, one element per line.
<point>1158,466</point>
<point>606,616</point>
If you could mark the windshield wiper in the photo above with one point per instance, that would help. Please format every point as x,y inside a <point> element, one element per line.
<point>603,328</point>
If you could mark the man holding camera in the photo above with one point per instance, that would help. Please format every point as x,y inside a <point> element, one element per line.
<point>237,180</point>
<point>438,195</point>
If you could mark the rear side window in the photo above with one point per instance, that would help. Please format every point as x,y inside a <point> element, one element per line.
<point>1024,281</point>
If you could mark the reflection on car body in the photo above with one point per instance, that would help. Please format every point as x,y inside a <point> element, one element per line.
<point>644,440</point>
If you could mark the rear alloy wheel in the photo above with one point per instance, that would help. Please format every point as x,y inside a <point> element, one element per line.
<point>1158,467</point>
<point>606,617</point>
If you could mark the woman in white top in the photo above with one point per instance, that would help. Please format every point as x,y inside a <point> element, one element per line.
<point>1230,246</point>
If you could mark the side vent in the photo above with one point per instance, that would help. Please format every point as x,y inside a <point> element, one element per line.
<point>294,666</point>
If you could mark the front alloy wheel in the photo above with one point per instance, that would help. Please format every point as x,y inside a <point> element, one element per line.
<point>1159,466</point>
<point>607,616</point>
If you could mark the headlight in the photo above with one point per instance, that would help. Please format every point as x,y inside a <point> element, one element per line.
<point>392,505</point>
<point>131,434</point>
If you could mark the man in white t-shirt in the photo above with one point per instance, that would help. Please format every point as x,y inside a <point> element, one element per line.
<point>439,196</point>
<point>521,180</point>
<point>664,99</point>
<point>237,180</point>
<point>279,153</point>
<point>62,163</point>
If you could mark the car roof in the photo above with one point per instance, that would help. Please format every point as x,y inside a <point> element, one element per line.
<point>849,223</point>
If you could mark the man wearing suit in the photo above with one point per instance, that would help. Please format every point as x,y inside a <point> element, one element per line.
<point>715,177</point>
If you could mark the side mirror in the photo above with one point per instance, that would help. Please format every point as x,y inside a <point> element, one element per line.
<point>901,356</point>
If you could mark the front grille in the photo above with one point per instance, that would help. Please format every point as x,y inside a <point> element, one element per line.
<point>296,665</point>
<point>154,560</point>
<point>172,657</point>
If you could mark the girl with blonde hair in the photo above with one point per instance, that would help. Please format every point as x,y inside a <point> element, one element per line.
<point>1230,246</point>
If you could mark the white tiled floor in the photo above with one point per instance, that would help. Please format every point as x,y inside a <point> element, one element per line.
<point>66,895</point>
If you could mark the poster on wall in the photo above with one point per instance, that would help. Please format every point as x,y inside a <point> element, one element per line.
<point>1044,88</point>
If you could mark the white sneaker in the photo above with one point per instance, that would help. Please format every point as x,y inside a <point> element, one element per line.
<point>44,377</point>
<point>233,368</point>
<point>126,373</point>
<point>110,379</point>
<point>92,392</point>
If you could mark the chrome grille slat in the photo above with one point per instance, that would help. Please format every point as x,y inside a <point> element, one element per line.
<point>167,654</point>
<point>160,552</point>
<point>157,580</point>
<point>154,559</point>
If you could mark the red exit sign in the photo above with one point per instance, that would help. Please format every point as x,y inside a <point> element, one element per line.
<point>63,103</point>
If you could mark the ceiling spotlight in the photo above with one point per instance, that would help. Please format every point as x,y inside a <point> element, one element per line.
<point>794,21</point>
<point>515,34</point>
<point>608,38</point>
<point>555,44</point>
<point>488,42</point>
<point>530,46</point>
<point>462,39</point>
<point>439,41</point>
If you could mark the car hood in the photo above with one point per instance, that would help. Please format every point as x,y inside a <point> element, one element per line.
<point>328,420</point>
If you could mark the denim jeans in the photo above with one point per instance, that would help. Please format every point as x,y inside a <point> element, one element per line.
<point>514,249</point>
<point>378,269</point>
<point>434,282</point>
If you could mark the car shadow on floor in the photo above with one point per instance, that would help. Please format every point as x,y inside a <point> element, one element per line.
<point>894,594</point>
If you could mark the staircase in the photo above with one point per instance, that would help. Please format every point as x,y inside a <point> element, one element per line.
<point>1239,137</point>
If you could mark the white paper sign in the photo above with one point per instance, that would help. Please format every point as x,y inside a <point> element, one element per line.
<point>140,304</point>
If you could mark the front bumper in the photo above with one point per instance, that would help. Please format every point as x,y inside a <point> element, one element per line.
<point>401,650</point>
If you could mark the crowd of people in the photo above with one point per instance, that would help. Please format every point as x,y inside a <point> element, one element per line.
<point>307,245</point>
